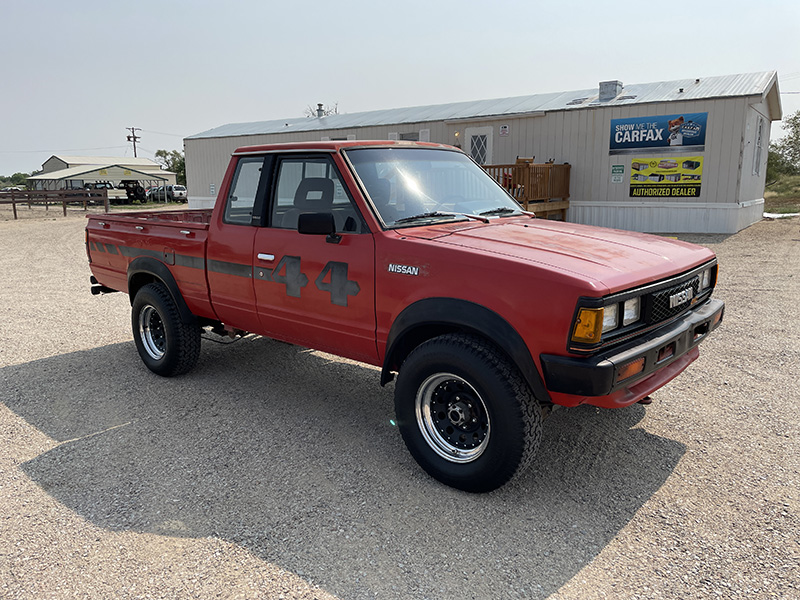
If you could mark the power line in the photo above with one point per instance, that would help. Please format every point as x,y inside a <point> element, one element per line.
<point>67,150</point>
<point>162,133</point>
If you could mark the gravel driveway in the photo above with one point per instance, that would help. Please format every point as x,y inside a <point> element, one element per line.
<point>272,471</point>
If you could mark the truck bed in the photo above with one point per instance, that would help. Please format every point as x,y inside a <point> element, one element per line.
<point>200,216</point>
<point>176,239</point>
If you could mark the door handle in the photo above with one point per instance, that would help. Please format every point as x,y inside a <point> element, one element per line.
<point>262,256</point>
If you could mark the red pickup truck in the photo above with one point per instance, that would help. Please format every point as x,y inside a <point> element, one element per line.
<point>410,257</point>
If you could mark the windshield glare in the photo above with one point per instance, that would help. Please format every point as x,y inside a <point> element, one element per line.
<point>406,182</point>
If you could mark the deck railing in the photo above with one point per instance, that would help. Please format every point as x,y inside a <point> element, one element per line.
<point>540,188</point>
<point>48,197</point>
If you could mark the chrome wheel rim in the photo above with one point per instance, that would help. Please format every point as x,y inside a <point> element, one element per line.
<point>152,333</point>
<point>452,418</point>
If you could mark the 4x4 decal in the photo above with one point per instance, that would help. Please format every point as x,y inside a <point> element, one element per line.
<point>332,279</point>
<point>339,286</point>
<point>293,278</point>
<point>288,271</point>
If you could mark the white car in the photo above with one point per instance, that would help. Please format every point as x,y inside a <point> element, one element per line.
<point>179,192</point>
<point>169,193</point>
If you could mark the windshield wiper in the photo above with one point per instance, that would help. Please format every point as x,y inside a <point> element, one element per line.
<point>504,210</point>
<point>440,213</point>
<point>500,210</point>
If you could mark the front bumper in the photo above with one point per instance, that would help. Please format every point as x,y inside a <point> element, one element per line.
<point>599,375</point>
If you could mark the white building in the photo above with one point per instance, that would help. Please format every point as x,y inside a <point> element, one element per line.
<point>673,156</point>
<point>74,172</point>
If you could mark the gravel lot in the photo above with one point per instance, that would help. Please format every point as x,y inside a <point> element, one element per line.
<point>273,471</point>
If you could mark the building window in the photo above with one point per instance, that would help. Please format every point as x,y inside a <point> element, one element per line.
<point>759,147</point>
<point>410,137</point>
<point>477,148</point>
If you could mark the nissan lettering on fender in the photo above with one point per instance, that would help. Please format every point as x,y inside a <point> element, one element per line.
<point>409,257</point>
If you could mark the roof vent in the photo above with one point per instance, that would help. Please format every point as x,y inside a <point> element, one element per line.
<point>609,90</point>
<point>577,101</point>
<point>320,110</point>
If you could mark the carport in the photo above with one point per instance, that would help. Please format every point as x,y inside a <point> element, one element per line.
<point>76,177</point>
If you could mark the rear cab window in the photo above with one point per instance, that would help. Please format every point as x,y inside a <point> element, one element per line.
<point>241,201</point>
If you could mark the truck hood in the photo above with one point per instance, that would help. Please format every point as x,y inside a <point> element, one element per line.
<point>604,258</point>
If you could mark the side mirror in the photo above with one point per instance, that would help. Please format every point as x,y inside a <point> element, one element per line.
<point>321,223</point>
<point>316,224</point>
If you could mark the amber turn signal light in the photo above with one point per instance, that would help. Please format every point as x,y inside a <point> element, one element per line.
<point>588,326</point>
<point>630,369</point>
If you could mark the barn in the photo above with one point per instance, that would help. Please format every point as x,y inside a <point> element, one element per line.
<point>684,156</point>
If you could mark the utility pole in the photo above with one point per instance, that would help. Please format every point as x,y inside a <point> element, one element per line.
<point>133,137</point>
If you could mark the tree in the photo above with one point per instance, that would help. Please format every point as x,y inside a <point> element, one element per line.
<point>784,155</point>
<point>17,179</point>
<point>173,160</point>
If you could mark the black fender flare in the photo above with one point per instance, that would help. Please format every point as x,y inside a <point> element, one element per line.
<point>426,319</point>
<point>144,269</point>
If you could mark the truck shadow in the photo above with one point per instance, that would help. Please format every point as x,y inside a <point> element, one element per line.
<point>292,455</point>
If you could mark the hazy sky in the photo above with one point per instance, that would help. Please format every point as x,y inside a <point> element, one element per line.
<point>76,74</point>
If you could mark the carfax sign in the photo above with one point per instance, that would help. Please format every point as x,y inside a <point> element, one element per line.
<point>666,177</point>
<point>664,132</point>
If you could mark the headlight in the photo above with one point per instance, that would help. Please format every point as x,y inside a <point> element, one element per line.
<point>631,311</point>
<point>705,279</point>
<point>592,324</point>
<point>610,320</point>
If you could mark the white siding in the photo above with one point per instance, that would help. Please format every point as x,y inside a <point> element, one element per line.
<point>581,138</point>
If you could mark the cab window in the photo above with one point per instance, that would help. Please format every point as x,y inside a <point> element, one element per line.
<point>241,200</point>
<point>311,184</point>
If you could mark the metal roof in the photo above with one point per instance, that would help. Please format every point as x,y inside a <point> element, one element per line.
<point>726,86</point>
<point>110,172</point>
<point>74,161</point>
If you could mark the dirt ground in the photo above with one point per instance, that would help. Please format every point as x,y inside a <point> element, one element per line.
<point>272,471</point>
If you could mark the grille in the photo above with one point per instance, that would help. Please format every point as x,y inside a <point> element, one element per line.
<point>659,307</point>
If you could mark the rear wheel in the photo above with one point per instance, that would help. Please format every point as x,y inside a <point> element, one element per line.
<point>167,345</point>
<point>466,414</point>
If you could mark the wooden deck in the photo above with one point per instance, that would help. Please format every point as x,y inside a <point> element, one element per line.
<point>540,188</point>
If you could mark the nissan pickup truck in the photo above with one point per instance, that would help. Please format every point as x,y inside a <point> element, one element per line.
<point>410,257</point>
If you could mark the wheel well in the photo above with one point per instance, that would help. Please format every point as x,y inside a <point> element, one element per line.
<point>138,281</point>
<point>144,270</point>
<point>433,317</point>
<point>420,334</point>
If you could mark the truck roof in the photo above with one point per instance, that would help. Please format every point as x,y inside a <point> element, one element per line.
<point>335,146</point>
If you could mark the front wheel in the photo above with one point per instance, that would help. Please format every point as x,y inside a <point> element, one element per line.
<point>466,414</point>
<point>167,345</point>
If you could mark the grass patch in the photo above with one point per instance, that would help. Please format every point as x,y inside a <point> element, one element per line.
<point>783,196</point>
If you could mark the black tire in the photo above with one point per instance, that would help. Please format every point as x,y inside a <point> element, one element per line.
<point>466,414</point>
<point>167,345</point>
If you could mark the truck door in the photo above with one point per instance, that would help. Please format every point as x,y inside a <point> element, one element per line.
<point>230,244</point>
<point>315,290</point>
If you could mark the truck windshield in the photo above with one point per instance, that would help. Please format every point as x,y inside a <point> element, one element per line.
<point>414,186</point>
